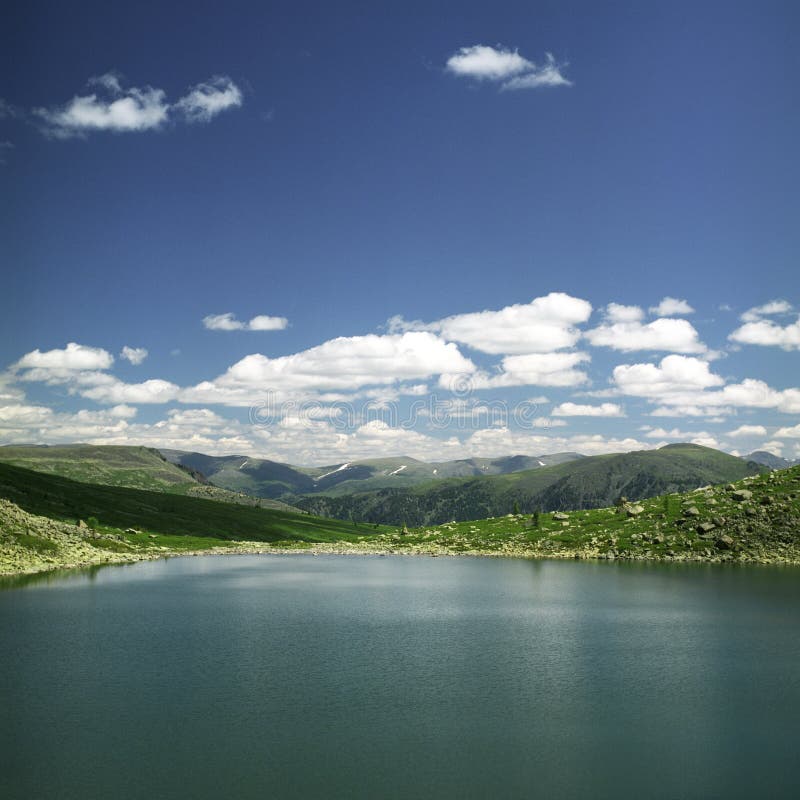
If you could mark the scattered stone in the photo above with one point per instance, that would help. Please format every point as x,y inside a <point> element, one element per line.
<point>740,495</point>
<point>692,511</point>
<point>559,515</point>
<point>634,511</point>
<point>82,524</point>
<point>724,542</point>
<point>705,527</point>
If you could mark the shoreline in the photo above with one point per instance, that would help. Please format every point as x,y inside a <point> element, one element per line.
<point>105,558</point>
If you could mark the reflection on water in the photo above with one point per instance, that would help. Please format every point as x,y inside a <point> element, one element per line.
<point>297,677</point>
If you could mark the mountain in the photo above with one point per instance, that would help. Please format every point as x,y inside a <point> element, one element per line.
<point>770,460</point>
<point>589,482</point>
<point>272,479</point>
<point>132,467</point>
<point>120,507</point>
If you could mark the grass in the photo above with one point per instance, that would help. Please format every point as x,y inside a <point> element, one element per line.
<point>166,514</point>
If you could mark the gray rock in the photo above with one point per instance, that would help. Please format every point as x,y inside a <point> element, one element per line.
<point>692,511</point>
<point>634,511</point>
<point>705,527</point>
<point>724,542</point>
<point>559,515</point>
<point>740,495</point>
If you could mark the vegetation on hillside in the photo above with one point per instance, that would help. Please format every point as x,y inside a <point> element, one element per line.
<point>756,520</point>
<point>591,482</point>
<point>177,515</point>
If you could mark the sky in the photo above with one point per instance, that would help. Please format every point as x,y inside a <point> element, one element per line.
<point>317,232</point>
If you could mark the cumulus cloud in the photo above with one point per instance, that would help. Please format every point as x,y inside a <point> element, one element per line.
<point>505,66</point>
<point>674,335</point>
<point>345,363</point>
<point>206,100</point>
<point>767,310</point>
<point>615,312</point>
<point>577,410</point>
<point>545,324</point>
<point>71,358</point>
<point>228,322</point>
<point>534,369</point>
<point>671,307</point>
<point>748,430</point>
<point>789,432</point>
<point>112,107</point>
<point>674,374</point>
<point>133,354</point>
<point>682,383</point>
<point>696,437</point>
<point>116,391</point>
<point>768,333</point>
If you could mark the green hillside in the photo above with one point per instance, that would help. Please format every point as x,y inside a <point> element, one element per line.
<point>755,520</point>
<point>132,467</point>
<point>158,512</point>
<point>591,482</point>
<point>135,467</point>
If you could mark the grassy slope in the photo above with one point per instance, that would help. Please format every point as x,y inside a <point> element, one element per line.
<point>133,467</point>
<point>707,524</point>
<point>585,483</point>
<point>136,467</point>
<point>60,498</point>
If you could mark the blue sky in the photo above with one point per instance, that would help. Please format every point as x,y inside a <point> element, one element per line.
<point>337,166</point>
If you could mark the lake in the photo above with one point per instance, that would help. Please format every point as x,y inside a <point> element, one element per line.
<point>400,677</point>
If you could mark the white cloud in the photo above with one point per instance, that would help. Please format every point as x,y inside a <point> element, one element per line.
<point>768,333</point>
<point>548,74</point>
<point>114,108</point>
<point>345,363</point>
<point>482,62</point>
<point>73,357</point>
<point>134,354</point>
<point>500,64</point>
<point>767,310</point>
<point>228,322</point>
<point>774,447</point>
<point>535,369</point>
<point>674,335</point>
<point>208,99</point>
<point>748,430</point>
<point>789,433</point>
<point>577,410</point>
<point>545,324</point>
<point>671,307</point>
<point>116,391</point>
<point>548,422</point>
<point>615,312</point>
<point>714,414</point>
<point>674,374</point>
<point>134,109</point>
<point>696,437</point>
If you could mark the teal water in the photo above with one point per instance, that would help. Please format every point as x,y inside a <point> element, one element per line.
<point>368,677</point>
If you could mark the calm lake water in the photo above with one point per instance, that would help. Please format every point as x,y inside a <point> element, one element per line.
<point>400,677</point>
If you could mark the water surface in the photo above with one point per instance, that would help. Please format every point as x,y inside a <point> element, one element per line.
<point>401,677</point>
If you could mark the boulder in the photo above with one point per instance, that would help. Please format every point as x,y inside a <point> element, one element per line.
<point>560,515</point>
<point>740,495</point>
<point>634,510</point>
<point>705,527</point>
<point>692,511</point>
<point>82,524</point>
<point>724,542</point>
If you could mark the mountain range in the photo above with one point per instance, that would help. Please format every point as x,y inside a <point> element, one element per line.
<point>397,490</point>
